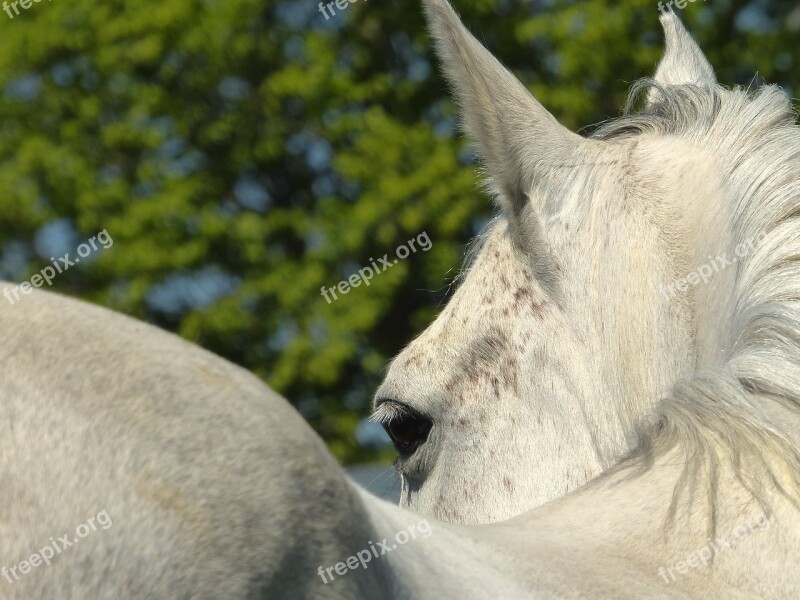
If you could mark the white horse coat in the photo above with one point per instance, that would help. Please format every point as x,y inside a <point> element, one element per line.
<point>213,487</point>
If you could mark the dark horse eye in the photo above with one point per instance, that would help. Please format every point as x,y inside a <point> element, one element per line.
<point>408,430</point>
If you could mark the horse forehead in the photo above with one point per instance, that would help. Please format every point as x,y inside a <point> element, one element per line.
<point>499,290</point>
<point>494,308</point>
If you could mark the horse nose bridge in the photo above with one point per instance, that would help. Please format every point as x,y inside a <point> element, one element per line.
<point>426,354</point>
<point>417,367</point>
<point>408,368</point>
<point>441,339</point>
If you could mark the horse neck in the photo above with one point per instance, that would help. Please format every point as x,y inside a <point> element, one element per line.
<point>425,558</point>
<point>662,547</point>
<point>649,531</point>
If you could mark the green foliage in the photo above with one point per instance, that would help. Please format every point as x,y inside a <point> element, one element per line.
<point>243,154</point>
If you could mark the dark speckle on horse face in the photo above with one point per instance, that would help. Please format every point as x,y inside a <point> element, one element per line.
<point>521,293</point>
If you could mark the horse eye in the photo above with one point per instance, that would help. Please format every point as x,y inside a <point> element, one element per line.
<point>408,432</point>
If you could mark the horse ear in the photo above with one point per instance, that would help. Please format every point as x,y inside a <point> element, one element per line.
<point>683,62</point>
<point>516,138</point>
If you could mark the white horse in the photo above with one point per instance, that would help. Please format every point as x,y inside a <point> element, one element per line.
<point>210,486</point>
<point>574,321</point>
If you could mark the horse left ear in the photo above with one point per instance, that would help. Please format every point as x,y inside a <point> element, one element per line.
<point>520,143</point>
<point>683,62</point>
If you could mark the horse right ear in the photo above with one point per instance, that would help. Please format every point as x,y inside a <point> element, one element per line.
<point>683,61</point>
<point>520,143</point>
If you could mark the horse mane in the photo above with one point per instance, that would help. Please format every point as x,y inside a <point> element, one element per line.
<point>726,413</point>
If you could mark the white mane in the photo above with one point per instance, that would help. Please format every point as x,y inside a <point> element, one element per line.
<point>736,404</point>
